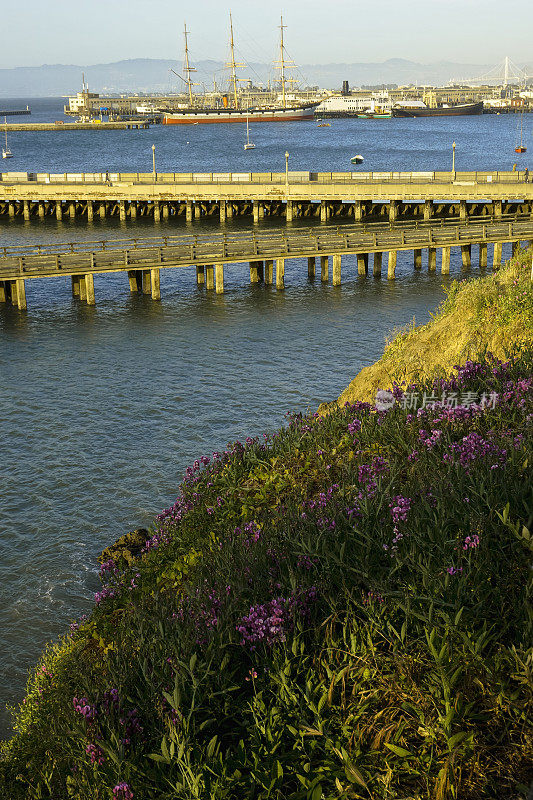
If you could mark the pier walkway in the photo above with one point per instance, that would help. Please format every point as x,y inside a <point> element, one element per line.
<point>266,251</point>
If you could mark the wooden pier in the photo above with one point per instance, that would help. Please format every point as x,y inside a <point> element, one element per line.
<point>74,126</point>
<point>264,250</point>
<point>185,197</point>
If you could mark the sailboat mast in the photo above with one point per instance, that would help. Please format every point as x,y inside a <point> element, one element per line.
<point>233,64</point>
<point>188,68</point>
<point>282,65</point>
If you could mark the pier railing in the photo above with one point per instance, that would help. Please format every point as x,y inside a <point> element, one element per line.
<point>275,178</point>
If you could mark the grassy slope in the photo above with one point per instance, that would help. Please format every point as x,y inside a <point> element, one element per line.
<point>340,611</point>
<point>494,313</point>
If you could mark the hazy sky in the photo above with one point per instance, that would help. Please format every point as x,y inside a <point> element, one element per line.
<point>38,32</point>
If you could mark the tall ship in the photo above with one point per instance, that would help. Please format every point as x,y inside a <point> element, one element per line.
<point>231,109</point>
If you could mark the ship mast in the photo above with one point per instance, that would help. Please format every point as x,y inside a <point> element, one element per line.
<point>188,68</point>
<point>282,65</point>
<point>232,64</point>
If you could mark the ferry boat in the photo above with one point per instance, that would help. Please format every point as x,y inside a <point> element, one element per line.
<point>282,112</point>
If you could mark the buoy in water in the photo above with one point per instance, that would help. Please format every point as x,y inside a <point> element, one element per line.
<point>357,160</point>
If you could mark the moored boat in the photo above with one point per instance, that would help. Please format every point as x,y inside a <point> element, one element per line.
<point>421,110</point>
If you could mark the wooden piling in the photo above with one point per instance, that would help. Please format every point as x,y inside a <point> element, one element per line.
<point>155,284</point>
<point>378,259</point>
<point>324,211</point>
<point>132,277</point>
<point>188,211</point>
<point>254,271</point>
<point>497,255</point>
<point>288,211</point>
<point>336,270</point>
<point>428,210</point>
<point>146,281</point>
<point>157,212</point>
<point>280,273</point>
<point>200,276</point>
<point>72,209</point>
<point>2,292</point>
<point>26,212</point>
<point>75,280</point>
<point>466,255</point>
<point>432,259</point>
<point>482,255</point>
<point>269,272</point>
<point>122,211</point>
<point>417,258</point>
<point>362,264</point>
<point>59,210</point>
<point>255,210</point>
<point>102,209</point>
<point>393,210</point>
<point>445,263</point>
<point>311,268</point>
<point>40,209</point>
<point>462,210</point>
<point>83,287</point>
<point>324,269</point>
<point>209,277</point>
<point>391,267</point>
<point>89,289</point>
<point>90,210</point>
<point>219,278</point>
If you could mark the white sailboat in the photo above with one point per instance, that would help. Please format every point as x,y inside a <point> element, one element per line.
<point>6,152</point>
<point>248,145</point>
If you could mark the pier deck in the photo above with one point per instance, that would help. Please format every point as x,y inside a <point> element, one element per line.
<point>142,258</point>
<point>73,126</point>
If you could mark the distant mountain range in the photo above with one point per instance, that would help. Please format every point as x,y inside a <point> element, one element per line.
<point>153,75</point>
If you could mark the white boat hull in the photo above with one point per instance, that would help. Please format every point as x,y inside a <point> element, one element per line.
<point>225,115</point>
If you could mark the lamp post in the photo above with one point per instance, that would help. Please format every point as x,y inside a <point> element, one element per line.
<point>453,159</point>
<point>153,162</point>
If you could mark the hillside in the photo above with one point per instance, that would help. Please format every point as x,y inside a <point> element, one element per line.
<point>339,610</point>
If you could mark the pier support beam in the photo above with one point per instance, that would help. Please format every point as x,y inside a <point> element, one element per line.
<point>209,277</point>
<point>132,277</point>
<point>146,281</point>
<point>11,208</point>
<point>311,268</point>
<point>466,255</point>
<point>497,208</point>
<point>59,210</point>
<point>122,211</point>
<point>515,248</point>
<point>280,273</point>
<point>432,259</point>
<point>391,270</point>
<point>378,259</point>
<point>362,264</point>
<point>89,289</point>
<point>18,294</point>
<point>269,272</point>
<point>157,212</point>
<point>155,284</point>
<point>482,256</point>
<point>2,292</point>
<point>336,270</point>
<point>417,259</point>
<point>133,209</point>
<point>26,211</point>
<point>393,210</point>
<point>72,209</point>
<point>219,278</point>
<point>90,211</point>
<point>255,268</point>
<point>462,210</point>
<point>445,263</point>
<point>188,211</point>
<point>222,210</point>
<point>255,210</point>
<point>102,210</point>
<point>200,276</point>
<point>229,209</point>
<point>288,211</point>
<point>497,255</point>
<point>75,280</point>
<point>324,269</point>
<point>165,211</point>
<point>358,211</point>
<point>324,211</point>
<point>197,210</point>
<point>40,209</point>
<point>83,288</point>
<point>428,210</point>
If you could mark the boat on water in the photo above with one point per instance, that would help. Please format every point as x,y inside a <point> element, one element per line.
<point>6,152</point>
<point>322,124</point>
<point>276,112</point>
<point>248,145</point>
<point>374,115</point>
<point>357,159</point>
<point>417,108</point>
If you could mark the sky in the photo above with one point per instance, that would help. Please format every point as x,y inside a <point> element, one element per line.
<point>37,32</point>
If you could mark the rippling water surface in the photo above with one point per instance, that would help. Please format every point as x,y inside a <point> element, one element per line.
<point>102,408</point>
